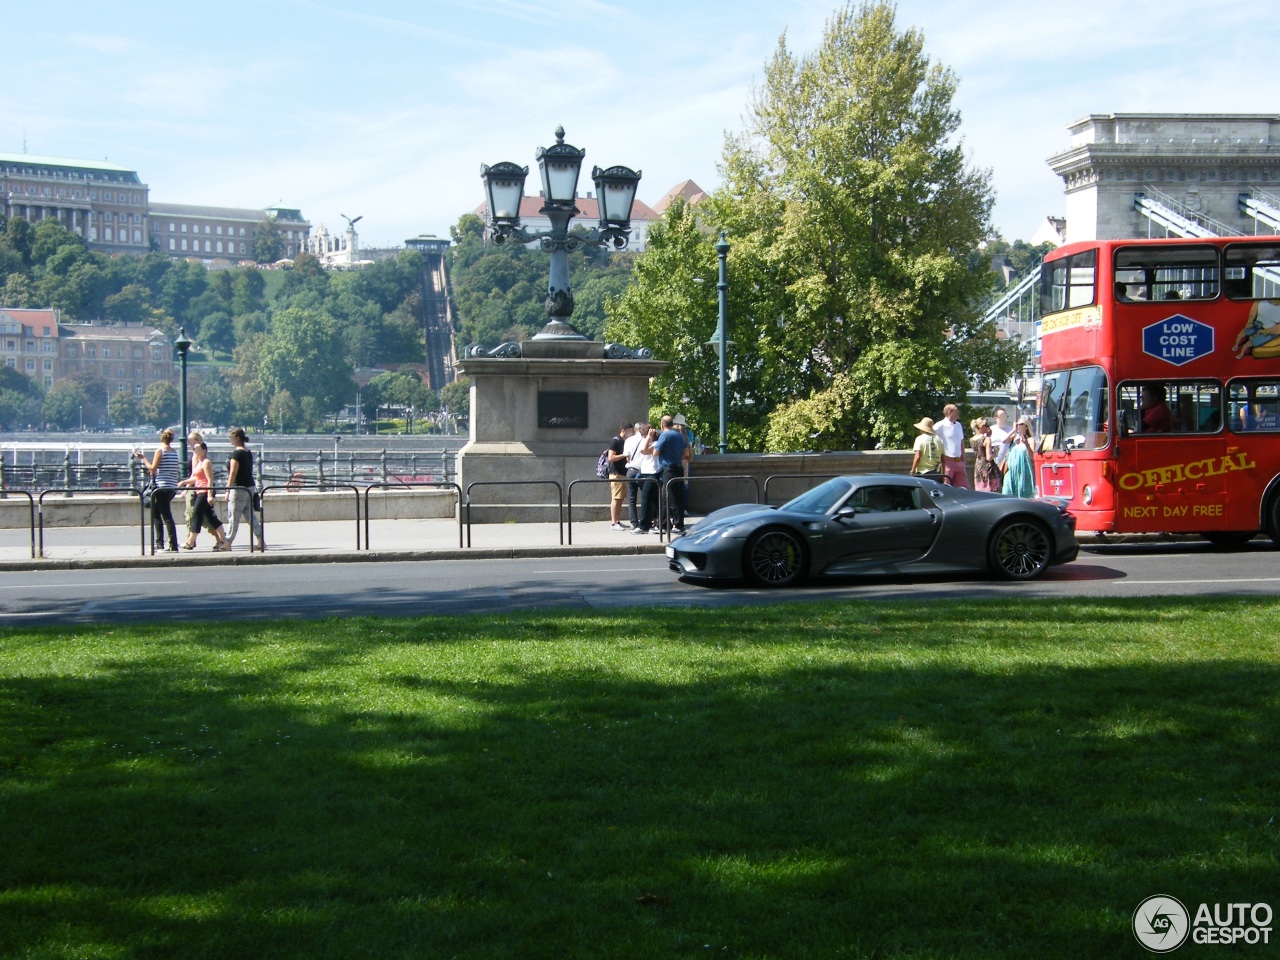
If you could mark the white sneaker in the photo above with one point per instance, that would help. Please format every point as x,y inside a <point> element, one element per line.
<point>617,526</point>
<point>639,530</point>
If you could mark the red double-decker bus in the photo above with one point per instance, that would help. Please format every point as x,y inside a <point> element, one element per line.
<point>1160,407</point>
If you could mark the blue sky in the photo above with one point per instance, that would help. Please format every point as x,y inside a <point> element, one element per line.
<point>387,111</point>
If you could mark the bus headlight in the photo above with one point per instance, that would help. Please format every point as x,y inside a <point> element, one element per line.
<point>1087,495</point>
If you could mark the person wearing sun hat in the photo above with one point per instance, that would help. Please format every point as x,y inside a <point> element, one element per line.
<point>927,451</point>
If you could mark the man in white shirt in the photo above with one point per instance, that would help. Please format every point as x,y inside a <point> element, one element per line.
<point>631,450</point>
<point>951,432</point>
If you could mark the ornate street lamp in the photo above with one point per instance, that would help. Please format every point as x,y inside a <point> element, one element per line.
<point>559,166</point>
<point>182,345</point>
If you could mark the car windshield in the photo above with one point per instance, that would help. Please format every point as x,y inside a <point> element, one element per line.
<point>821,498</point>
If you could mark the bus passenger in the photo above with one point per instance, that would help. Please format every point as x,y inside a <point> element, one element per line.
<point>1156,417</point>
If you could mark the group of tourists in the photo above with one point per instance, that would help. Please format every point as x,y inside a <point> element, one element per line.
<point>1002,454</point>
<point>647,463</point>
<point>201,486</point>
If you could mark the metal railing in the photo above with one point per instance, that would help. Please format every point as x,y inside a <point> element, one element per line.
<point>142,519</point>
<point>389,486</point>
<point>796,476</point>
<point>295,486</point>
<point>516,483</point>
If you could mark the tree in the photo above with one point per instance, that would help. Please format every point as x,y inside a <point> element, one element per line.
<point>455,399</point>
<point>267,243</point>
<point>213,400</point>
<point>671,308</point>
<point>160,404</point>
<point>130,305</point>
<point>305,355</point>
<point>283,410</point>
<point>64,403</point>
<point>122,409</point>
<point>849,201</point>
<point>20,398</point>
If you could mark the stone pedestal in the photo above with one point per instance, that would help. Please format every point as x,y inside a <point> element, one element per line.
<point>544,412</point>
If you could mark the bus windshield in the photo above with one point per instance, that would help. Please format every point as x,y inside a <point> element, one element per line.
<point>1073,410</point>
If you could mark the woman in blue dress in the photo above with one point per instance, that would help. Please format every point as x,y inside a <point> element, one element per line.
<point>1019,466</point>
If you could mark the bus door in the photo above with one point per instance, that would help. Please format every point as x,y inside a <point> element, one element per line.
<point>1074,440</point>
<point>1174,458</point>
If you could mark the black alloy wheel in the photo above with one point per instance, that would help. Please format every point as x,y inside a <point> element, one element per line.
<point>1020,550</point>
<point>775,558</point>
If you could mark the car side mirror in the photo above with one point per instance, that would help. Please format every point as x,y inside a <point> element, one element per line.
<point>846,513</point>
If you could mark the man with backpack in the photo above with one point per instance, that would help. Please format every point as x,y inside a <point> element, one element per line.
<point>617,462</point>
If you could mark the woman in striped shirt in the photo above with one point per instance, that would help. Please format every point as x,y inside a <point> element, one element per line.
<point>164,467</point>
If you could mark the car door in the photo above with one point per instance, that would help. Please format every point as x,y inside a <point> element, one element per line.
<point>882,524</point>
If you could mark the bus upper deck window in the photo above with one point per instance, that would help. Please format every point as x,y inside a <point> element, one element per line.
<point>1252,271</point>
<point>1168,272</point>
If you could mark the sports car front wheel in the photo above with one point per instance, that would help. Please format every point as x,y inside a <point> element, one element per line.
<point>1020,550</point>
<point>774,558</point>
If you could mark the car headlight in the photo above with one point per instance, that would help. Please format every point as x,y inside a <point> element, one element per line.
<point>1087,495</point>
<point>714,534</point>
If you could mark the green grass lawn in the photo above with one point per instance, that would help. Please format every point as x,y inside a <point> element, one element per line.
<point>922,780</point>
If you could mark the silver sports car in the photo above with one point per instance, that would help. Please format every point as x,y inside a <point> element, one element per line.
<point>877,524</point>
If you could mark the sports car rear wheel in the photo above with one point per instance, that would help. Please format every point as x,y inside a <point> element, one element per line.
<point>1020,550</point>
<point>774,558</point>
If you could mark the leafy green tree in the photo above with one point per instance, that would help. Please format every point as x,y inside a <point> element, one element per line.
<point>851,207</point>
<point>305,355</point>
<point>212,400</point>
<point>64,404</point>
<point>268,246</point>
<point>402,388</point>
<point>16,409</point>
<point>217,333</point>
<point>20,398</point>
<point>282,411</point>
<point>122,409</point>
<point>672,309</point>
<point>160,404</point>
<point>456,398</point>
<point>130,305</point>
<point>310,414</point>
<point>247,292</point>
<point>95,395</point>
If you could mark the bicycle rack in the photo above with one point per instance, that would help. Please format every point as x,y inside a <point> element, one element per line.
<point>518,483</point>
<point>390,486</point>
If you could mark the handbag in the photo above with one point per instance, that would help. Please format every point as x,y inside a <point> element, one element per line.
<point>148,489</point>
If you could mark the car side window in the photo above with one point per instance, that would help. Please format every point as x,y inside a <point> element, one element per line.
<point>883,499</point>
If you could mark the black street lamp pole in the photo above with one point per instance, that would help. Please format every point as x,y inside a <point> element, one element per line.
<point>182,345</point>
<point>722,293</point>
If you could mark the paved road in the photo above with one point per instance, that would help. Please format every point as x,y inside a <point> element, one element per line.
<point>412,587</point>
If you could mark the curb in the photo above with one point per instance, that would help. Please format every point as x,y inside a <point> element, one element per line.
<point>363,556</point>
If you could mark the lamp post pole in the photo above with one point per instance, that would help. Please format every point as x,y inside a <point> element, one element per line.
<point>182,345</point>
<point>722,292</point>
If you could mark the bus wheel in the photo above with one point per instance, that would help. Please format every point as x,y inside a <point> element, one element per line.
<point>1273,519</point>
<point>1229,539</point>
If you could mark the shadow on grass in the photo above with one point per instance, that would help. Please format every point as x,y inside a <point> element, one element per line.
<point>864,784</point>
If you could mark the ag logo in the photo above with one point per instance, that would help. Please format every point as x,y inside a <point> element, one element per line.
<point>1161,924</point>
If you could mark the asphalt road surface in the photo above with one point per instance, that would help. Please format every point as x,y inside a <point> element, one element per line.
<point>406,588</point>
